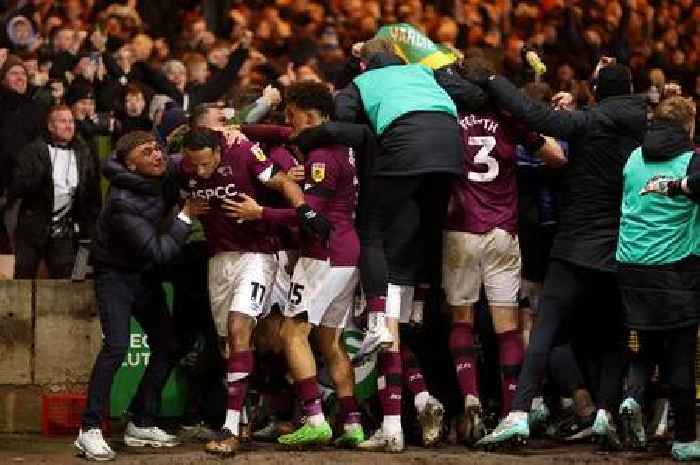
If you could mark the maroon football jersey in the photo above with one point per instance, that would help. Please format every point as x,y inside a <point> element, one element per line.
<point>331,190</point>
<point>486,196</point>
<point>283,158</point>
<point>243,169</point>
<point>287,235</point>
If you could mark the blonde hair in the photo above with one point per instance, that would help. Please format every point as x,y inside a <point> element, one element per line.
<point>171,66</point>
<point>679,110</point>
<point>376,46</point>
<point>657,78</point>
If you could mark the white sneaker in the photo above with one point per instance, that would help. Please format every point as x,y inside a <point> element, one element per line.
<point>430,419</point>
<point>377,337</point>
<point>135,436</point>
<point>92,446</point>
<point>379,441</point>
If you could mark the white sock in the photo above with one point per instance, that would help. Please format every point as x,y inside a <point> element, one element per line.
<point>316,420</point>
<point>420,400</point>
<point>350,426</point>
<point>391,424</point>
<point>536,403</point>
<point>233,418</point>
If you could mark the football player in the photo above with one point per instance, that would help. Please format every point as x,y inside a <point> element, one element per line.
<point>243,265</point>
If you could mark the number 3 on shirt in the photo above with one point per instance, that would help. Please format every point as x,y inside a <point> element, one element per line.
<point>483,157</point>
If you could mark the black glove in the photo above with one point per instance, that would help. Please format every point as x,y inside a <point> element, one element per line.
<point>314,223</point>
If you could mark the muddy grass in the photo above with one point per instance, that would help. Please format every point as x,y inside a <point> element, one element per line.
<point>30,450</point>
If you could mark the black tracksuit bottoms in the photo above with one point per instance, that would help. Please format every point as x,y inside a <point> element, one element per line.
<point>589,301</point>
<point>400,226</point>
<point>674,351</point>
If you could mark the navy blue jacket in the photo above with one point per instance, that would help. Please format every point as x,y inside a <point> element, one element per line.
<point>138,229</point>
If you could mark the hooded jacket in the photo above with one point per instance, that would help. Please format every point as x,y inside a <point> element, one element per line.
<point>417,142</point>
<point>137,229</point>
<point>600,139</point>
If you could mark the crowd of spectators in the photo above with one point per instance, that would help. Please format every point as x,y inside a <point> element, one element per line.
<point>119,64</point>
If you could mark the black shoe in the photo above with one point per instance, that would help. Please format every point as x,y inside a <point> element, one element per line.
<point>571,427</point>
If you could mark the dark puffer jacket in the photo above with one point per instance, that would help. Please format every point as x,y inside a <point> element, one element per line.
<point>600,138</point>
<point>137,229</point>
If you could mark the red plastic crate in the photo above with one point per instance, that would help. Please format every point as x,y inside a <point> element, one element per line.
<point>62,414</point>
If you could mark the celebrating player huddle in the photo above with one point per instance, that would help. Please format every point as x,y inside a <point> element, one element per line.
<point>242,217</point>
<point>406,181</point>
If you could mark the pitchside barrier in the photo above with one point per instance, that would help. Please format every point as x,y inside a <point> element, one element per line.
<point>50,335</point>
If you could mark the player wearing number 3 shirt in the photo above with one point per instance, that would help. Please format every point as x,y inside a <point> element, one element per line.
<point>480,247</point>
<point>242,266</point>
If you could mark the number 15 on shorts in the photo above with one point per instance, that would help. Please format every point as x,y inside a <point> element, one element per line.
<point>295,291</point>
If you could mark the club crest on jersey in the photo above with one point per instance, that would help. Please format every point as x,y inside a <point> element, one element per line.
<point>258,152</point>
<point>318,171</point>
<point>225,171</point>
<point>192,183</point>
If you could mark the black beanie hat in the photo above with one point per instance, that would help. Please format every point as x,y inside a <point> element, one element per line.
<point>173,118</point>
<point>79,90</point>
<point>613,80</point>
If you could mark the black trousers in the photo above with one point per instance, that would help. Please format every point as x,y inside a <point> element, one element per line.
<point>399,224</point>
<point>674,352</point>
<point>58,253</point>
<point>589,301</point>
<point>196,332</point>
<point>121,295</point>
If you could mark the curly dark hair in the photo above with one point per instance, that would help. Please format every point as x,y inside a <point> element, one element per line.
<point>311,95</point>
<point>201,138</point>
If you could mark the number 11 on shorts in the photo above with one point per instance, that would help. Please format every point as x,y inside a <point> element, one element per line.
<point>258,292</point>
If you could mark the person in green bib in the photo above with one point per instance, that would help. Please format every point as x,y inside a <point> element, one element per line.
<point>412,111</point>
<point>658,255</point>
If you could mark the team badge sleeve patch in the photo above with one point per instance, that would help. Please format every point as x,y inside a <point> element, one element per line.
<point>318,172</point>
<point>258,152</point>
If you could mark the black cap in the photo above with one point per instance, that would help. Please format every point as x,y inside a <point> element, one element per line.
<point>613,80</point>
